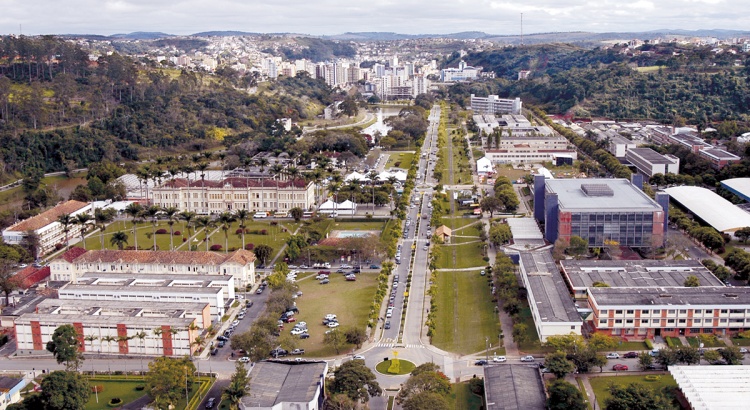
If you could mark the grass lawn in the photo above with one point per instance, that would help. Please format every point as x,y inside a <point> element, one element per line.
<point>741,342</point>
<point>650,69</point>
<point>405,367</point>
<point>601,384</point>
<point>512,173</point>
<point>532,345</point>
<point>458,222</point>
<point>673,341</point>
<point>631,346</point>
<point>124,389</point>
<point>708,342</point>
<point>465,315</point>
<point>477,152</point>
<point>461,256</point>
<point>358,226</point>
<point>463,398</point>
<point>403,159</point>
<point>350,301</point>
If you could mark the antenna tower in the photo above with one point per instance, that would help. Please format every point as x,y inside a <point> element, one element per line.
<point>521,28</point>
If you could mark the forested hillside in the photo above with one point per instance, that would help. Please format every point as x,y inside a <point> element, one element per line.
<point>694,83</point>
<point>58,109</point>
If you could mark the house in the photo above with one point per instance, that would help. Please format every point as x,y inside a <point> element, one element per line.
<point>46,227</point>
<point>10,390</point>
<point>444,233</point>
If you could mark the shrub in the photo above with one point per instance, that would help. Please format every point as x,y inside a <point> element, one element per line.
<point>114,402</point>
<point>97,388</point>
<point>184,239</point>
<point>649,344</point>
<point>161,231</point>
<point>263,232</point>
<point>274,223</point>
<point>177,233</point>
<point>238,231</point>
<point>249,246</point>
<point>476,385</point>
<point>140,388</point>
<point>216,247</point>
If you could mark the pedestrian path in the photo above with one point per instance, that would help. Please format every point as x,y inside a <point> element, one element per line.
<point>408,346</point>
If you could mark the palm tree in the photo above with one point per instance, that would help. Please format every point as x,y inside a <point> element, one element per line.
<point>144,174</point>
<point>174,331</point>
<point>277,170</point>
<point>197,342</point>
<point>108,339</point>
<point>153,212</point>
<point>158,333</point>
<point>171,213</point>
<point>242,215</point>
<point>101,219</point>
<point>205,223</point>
<point>65,220</point>
<point>84,220</point>
<point>237,387</point>
<point>119,239</point>
<point>188,217</point>
<point>225,220</point>
<point>202,167</point>
<point>263,163</point>
<point>141,336</point>
<point>373,175</point>
<point>125,339</point>
<point>222,157</point>
<point>135,211</point>
<point>90,339</point>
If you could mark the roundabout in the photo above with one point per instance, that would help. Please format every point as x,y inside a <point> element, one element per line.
<point>395,367</point>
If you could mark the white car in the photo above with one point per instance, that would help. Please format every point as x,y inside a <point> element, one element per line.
<point>301,324</point>
<point>527,359</point>
<point>297,331</point>
<point>499,359</point>
<point>358,357</point>
<point>389,313</point>
<point>333,324</point>
<point>235,323</point>
<point>330,316</point>
<point>613,355</point>
<point>244,359</point>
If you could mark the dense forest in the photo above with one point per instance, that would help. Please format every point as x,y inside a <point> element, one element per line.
<point>698,84</point>
<point>317,50</point>
<point>60,110</point>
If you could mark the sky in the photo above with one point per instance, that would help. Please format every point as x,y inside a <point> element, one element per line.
<point>327,17</point>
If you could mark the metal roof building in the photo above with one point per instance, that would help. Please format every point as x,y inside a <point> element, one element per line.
<point>514,387</point>
<point>710,207</point>
<point>738,186</point>
<point>285,385</point>
<point>713,387</point>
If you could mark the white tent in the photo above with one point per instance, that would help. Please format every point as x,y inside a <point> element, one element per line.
<point>399,175</point>
<point>356,176</point>
<point>327,206</point>
<point>344,208</point>
<point>484,166</point>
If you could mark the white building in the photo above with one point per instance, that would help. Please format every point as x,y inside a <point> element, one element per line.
<point>335,209</point>
<point>240,264</point>
<point>462,73</point>
<point>256,195</point>
<point>494,104</point>
<point>285,385</point>
<point>530,150</point>
<point>46,227</point>
<point>484,167</point>
<point>649,162</point>
<point>619,145</point>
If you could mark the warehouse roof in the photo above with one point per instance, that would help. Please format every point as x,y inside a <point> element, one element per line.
<point>272,383</point>
<point>710,207</point>
<point>553,300</point>
<point>600,195</point>
<point>650,155</point>
<point>636,274</point>
<point>703,296</point>
<point>740,186</point>
<point>514,387</point>
<point>713,387</point>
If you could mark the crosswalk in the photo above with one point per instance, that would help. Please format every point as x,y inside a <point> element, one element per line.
<point>407,346</point>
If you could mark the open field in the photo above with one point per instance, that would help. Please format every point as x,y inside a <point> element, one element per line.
<point>510,172</point>
<point>461,256</point>
<point>463,398</point>
<point>458,222</point>
<point>601,384</point>
<point>710,342</point>
<point>532,345</point>
<point>650,69</point>
<point>350,301</point>
<point>403,159</point>
<point>359,226</point>
<point>466,314</point>
<point>124,389</point>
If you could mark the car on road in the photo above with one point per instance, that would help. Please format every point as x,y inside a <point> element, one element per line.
<point>235,323</point>
<point>389,314</point>
<point>259,291</point>
<point>499,359</point>
<point>613,355</point>
<point>373,266</point>
<point>211,402</point>
<point>619,367</point>
<point>221,343</point>
<point>358,357</point>
<point>480,362</point>
<point>214,351</point>
<point>743,350</point>
<point>387,324</point>
<point>297,351</point>
<point>630,355</point>
<point>244,359</point>
<point>527,359</point>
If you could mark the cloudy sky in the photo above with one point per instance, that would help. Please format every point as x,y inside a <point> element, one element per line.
<point>338,16</point>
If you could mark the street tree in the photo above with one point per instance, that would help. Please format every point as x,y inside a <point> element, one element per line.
<point>426,400</point>
<point>166,379</point>
<point>263,252</point>
<point>237,386</point>
<point>666,357</point>
<point>731,355</point>
<point>65,390</point>
<point>8,281</point>
<point>564,396</point>
<point>634,396</point>
<point>558,364</point>
<point>425,381</point>
<point>565,343</point>
<point>645,360</point>
<point>296,213</point>
<point>355,335</point>
<point>711,356</point>
<point>356,380</point>
<point>601,342</point>
<point>520,333</point>
<point>688,355</point>
<point>65,346</point>
<point>335,340</point>
<point>425,367</point>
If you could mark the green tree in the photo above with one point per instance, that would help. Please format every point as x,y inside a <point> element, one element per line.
<point>355,335</point>
<point>634,396</point>
<point>66,220</point>
<point>340,401</point>
<point>243,215</point>
<point>711,356</point>
<point>731,355</point>
<point>119,239</point>
<point>500,234</point>
<point>558,364</point>
<point>65,390</point>
<point>426,400</point>
<point>237,386</point>
<point>692,281</point>
<point>356,380</point>
<point>135,212</point>
<point>645,360</point>
<point>166,379</point>
<point>65,346</point>
<point>8,281</point>
<point>520,333</point>
<point>426,381</point>
<point>688,355</point>
<point>296,213</point>
<point>578,246</point>
<point>490,204</point>
<point>335,340</point>
<point>666,357</point>
<point>263,252</point>
<point>564,396</point>
<point>601,342</point>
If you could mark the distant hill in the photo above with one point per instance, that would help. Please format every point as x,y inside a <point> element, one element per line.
<point>142,35</point>
<point>226,33</point>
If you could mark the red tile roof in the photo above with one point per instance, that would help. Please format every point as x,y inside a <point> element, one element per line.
<point>47,217</point>
<point>165,257</point>
<point>235,182</point>
<point>73,253</point>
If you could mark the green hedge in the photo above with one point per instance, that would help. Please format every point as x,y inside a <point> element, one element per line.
<point>649,344</point>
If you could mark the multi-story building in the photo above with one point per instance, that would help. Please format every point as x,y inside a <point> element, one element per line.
<point>462,73</point>
<point>601,211</point>
<point>619,145</point>
<point>239,265</point>
<point>117,327</point>
<point>46,227</point>
<point>649,162</point>
<point>493,104</point>
<point>515,150</point>
<point>719,158</point>
<point>257,195</point>
<point>648,312</point>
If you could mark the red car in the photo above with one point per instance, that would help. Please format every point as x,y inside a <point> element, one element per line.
<point>619,367</point>
<point>630,355</point>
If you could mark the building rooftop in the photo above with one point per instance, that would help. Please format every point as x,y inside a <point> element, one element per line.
<point>573,197</point>
<point>105,320</point>
<point>740,185</point>
<point>165,257</point>
<point>236,182</point>
<point>8,383</point>
<point>651,156</point>
<point>719,154</point>
<point>47,217</point>
<point>514,387</point>
<point>707,205</point>
<point>146,279</point>
<point>118,308</point>
<point>713,387</point>
<point>273,382</point>
<point>98,288</point>
<point>702,296</point>
<point>554,302</point>
<point>636,274</point>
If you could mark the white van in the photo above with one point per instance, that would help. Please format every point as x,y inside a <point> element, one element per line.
<point>260,215</point>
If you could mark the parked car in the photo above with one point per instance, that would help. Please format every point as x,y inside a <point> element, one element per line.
<point>214,351</point>
<point>619,367</point>
<point>743,350</point>
<point>304,336</point>
<point>373,266</point>
<point>278,352</point>
<point>351,278</point>
<point>387,324</point>
<point>297,331</point>
<point>222,338</point>
<point>221,343</point>
<point>297,351</point>
<point>333,324</point>
<point>613,355</point>
<point>527,359</point>
<point>480,362</point>
<point>325,281</point>
<point>630,355</point>
<point>259,291</point>
<point>330,316</point>
<point>389,314</point>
